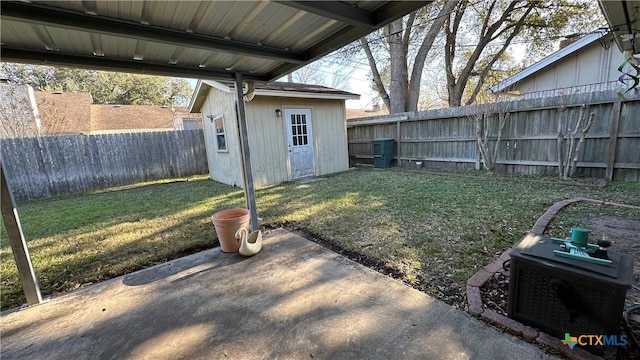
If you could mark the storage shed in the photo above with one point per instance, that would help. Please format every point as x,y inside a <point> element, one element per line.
<point>294,130</point>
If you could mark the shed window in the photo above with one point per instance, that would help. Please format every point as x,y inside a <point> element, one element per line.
<point>220,137</point>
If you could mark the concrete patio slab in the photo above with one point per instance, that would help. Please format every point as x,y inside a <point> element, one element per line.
<point>294,300</point>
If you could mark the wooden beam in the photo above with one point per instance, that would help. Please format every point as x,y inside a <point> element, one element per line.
<point>614,122</point>
<point>507,138</point>
<point>45,57</point>
<point>627,166</point>
<point>17,241</point>
<point>247,175</point>
<point>336,10</point>
<point>580,164</point>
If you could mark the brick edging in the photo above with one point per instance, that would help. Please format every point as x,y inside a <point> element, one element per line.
<point>474,296</point>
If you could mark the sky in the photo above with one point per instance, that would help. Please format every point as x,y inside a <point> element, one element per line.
<point>359,83</point>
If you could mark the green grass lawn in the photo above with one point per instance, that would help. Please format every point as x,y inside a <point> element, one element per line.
<point>436,231</point>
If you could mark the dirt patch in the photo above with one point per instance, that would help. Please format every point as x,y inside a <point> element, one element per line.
<point>624,234</point>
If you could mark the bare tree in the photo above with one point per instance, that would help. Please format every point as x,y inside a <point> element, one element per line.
<point>487,118</point>
<point>495,25</point>
<point>568,149</point>
<point>17,116</point>
<point>475,43</point>
<point>404,91</point>
<point>53,117</point>
<point>21,116</point>
<point>308,75</point>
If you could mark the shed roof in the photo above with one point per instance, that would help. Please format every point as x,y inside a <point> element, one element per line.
<point>281,89</point>
<point>547,61</point>
<point>262,40</point>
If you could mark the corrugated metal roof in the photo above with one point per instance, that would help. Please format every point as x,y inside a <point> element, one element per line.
<point>624,21</point>
<point>262,40</point>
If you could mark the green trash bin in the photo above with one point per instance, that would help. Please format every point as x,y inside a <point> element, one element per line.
<point>383,149</point>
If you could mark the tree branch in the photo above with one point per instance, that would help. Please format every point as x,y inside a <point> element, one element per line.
<point>376,75</point>
<point>583,134</point>
<point>421,56</point>
<point>489,66</point>
<point>408,29</point>
<point>451,32</point>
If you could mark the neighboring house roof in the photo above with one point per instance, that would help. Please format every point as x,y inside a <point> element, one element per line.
<point>184,120</point>
<point>358,113</point>
<point>547,61</point>
<point>183,111</point>
<point>73,113</point>
<point>281,89</point>
<point>131,117</point>
<point>64,112</point>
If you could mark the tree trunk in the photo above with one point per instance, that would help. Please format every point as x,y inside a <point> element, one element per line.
<point>421,56</point>
<point>583,134</point>
<point>398,88</point>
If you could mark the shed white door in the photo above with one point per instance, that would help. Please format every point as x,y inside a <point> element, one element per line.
<point>298,122</point>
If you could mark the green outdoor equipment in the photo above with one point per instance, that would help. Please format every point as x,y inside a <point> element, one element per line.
<point>578,248</point>
<point>383,149</point>
<point>579,236</point>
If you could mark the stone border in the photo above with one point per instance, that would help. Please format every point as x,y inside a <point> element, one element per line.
<point>474,297</point>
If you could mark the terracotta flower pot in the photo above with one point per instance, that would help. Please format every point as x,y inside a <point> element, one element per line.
<point>226,223</point>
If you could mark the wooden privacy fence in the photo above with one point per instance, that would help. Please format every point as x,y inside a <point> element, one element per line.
<point>446,138</point>
<point>57,165</point>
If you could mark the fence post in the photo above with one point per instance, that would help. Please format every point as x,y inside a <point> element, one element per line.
<point>18,243</point>
<point>478,130</point>
<point>614,122</point>
<point>399,142</point>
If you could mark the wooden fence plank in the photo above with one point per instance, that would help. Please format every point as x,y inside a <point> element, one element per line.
<point>614,121</point>
<point>528,142</point>
<point>67,164</point>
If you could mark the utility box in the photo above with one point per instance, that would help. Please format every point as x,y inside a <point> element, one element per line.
<point>383,150</point>
<point>559,295</point>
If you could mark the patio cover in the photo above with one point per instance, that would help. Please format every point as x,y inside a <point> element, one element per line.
<point>240,40</point>
<point>262,40</point>
<point>624,21</point>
